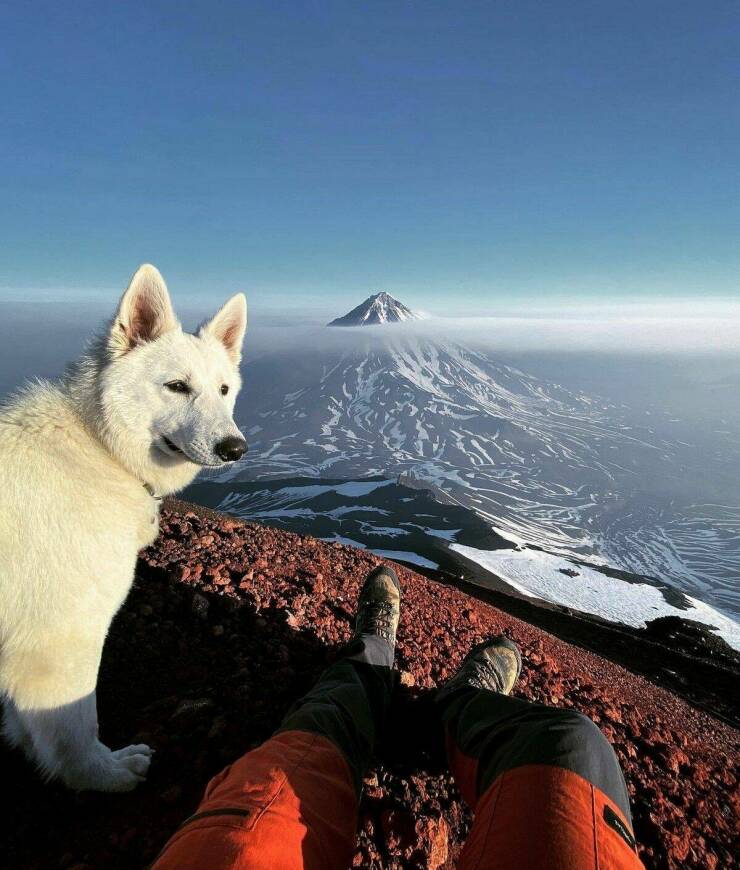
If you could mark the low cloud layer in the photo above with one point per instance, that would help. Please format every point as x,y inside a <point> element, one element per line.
<point>38,338</point>
<point>667,327</point>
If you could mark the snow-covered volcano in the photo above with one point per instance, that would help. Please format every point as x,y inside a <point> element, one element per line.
<point>380,308</point>
<point>557,469</point>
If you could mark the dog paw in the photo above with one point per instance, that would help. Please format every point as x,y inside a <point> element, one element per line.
<point>134,749</point>
<point>130,767</point>
<point>118,771</point>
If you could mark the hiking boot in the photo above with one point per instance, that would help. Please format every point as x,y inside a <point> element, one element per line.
<point>379,606</point>
<point>493,665</point>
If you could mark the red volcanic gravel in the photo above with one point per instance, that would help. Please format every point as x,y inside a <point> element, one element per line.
<point>228,623</point>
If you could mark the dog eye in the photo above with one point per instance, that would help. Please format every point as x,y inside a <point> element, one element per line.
<point>178,387</point>
<point>224,389</point>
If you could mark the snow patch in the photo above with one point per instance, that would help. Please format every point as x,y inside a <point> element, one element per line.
<point>540,575</point>
<point>406,556</point>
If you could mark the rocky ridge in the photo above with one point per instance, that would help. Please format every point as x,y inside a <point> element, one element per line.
<point>229,622</point>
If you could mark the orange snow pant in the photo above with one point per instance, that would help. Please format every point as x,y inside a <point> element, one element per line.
<point>544,784</point>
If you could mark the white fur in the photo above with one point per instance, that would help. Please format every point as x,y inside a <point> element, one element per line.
<point>74,512</point>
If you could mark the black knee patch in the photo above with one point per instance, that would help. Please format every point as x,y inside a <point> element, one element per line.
<point>557,737</point>
<point>347,706</point>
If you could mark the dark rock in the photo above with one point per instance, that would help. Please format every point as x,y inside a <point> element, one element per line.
<point>692,637</point>
<point>200,605</point>
<point>192,710</point>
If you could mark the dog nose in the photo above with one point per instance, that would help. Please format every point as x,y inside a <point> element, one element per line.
<point>231,448</point>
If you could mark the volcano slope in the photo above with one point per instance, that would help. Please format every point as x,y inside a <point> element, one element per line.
<point>229,622</point>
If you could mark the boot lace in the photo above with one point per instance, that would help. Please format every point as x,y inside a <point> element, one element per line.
<point>483,673</point>
<point>376,617</point>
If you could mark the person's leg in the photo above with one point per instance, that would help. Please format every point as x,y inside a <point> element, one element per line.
<point>543,782</point>
<point>292,802</point>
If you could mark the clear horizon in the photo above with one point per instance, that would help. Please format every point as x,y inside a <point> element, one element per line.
<point>489,154</point>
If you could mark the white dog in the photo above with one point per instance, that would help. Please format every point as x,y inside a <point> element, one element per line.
<point>83,463</point>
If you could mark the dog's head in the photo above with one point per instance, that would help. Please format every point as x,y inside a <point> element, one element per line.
<point>166,392</point>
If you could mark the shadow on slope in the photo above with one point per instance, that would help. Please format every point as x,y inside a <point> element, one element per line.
<point>229,623</point>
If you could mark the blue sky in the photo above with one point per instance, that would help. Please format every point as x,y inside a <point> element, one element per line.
<point>456,154</point>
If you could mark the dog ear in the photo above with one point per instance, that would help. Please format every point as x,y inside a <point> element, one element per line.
<point>228,326</point>
<point>144,312</point>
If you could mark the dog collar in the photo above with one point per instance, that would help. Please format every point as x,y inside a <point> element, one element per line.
<point>150,489</point>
